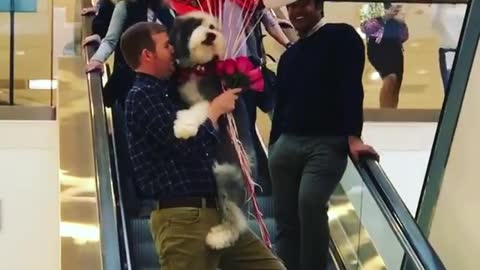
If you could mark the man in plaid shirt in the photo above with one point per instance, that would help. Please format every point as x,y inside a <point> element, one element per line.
<point>175,172</point>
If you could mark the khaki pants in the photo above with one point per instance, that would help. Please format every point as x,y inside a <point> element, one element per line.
<point>180,233</point>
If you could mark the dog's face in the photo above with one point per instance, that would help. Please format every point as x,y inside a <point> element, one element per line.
<point>197,39</point>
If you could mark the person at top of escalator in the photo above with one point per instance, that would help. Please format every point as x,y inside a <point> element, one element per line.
<point>102,12</point>
<point>385,37</point>
<point>178,173</point>
<point>317,123</point>
<point>125,14</point>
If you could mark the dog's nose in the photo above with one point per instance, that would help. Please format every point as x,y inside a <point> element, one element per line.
<point>210,38</point>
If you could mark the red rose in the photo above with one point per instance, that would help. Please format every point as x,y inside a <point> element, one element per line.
<point>244,64</point>
<point>254,74</point>
<point>230,67</point>
<point>258,86</point>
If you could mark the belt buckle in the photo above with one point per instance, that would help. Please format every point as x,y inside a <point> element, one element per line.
<point>204,202</point>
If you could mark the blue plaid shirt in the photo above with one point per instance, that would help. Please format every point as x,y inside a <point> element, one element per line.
<point>164,166</point>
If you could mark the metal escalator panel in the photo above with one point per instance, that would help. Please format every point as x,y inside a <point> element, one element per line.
<point>372,228</point>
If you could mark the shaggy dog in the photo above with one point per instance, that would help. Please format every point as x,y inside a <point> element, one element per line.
<point>198,43</point>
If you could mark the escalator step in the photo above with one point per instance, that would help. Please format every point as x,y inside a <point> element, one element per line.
<point>145,256</point>
<point>140,230</point>
<point>271,227</point>
<point>266,205</point>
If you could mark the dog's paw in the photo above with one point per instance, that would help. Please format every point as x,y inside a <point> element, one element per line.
<point>219,238</point>
<point>184,130</point>
<point>186,125</point>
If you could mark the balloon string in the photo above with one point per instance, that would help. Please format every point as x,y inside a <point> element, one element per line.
<point>200,5</point>
<point>250,32</point>
<point>246,170</point>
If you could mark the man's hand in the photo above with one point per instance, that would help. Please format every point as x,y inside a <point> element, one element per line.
<point>222,104</point>
<point>89,11</point>
<point>359,148</point>
<point>94,65</point>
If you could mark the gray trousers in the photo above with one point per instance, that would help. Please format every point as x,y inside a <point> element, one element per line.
<point>304,173</point>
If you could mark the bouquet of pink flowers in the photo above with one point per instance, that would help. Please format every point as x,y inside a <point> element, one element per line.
<point>240,73</point>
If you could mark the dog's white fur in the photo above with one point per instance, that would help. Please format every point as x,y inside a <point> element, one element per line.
<point>228,176</point>
<point>200,53</point>
<point>234,222</point>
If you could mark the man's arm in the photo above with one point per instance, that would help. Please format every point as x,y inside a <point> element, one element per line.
<point>351,66</point>
<point>157,116</point>
<point>278,103</point>
<point>352,63</point>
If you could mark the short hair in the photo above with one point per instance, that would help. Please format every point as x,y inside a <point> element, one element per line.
<point>387,5</point>
<point>137,38</point>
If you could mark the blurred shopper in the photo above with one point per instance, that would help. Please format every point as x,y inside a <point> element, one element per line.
<point>447,21</point>
<point>385,38</point>
<point>317,122</point>
<point>103,14</point>
<point>125,14</point>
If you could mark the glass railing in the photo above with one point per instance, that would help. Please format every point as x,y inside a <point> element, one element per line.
<point>371,226</point>
<point>29,54</point>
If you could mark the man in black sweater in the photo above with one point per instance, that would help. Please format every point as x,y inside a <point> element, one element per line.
<point>318,119</point>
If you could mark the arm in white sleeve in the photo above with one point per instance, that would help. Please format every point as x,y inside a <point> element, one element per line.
<point>273,28</point>
<point>109,43</point>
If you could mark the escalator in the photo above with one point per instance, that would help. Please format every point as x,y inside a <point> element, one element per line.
<point>371,228</point>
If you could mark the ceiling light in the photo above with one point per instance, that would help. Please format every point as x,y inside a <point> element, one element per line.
<point>42,84</point>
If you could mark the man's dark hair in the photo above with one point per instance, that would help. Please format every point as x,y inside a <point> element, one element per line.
<point>137,38</point>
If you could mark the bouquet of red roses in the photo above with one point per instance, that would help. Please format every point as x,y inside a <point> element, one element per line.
<point>240,73</point>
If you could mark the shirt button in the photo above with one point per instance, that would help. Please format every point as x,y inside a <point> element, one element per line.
<point>206,154</point>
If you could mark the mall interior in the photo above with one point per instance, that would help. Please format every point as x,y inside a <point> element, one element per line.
<point>66,195</point>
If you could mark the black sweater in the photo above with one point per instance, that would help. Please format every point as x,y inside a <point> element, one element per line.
<point>320,91</point>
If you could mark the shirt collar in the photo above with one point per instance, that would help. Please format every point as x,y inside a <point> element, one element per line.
<point>315,28</point>
<point>150,79</point>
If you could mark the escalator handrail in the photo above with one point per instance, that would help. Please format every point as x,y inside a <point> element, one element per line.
<point>107,206</point>
<point>415,244</point>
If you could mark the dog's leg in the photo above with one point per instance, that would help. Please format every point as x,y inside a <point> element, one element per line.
<point>229,182</point>
<point>188,121</point>
<point>227,233</point>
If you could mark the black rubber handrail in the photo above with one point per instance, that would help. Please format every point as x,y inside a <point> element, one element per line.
<point>418,250</point>
<point>103,166</point>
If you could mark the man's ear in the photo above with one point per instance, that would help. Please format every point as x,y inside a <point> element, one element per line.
<point>146,55</point>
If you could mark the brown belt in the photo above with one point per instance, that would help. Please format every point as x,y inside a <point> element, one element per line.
<point>196,202</point>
